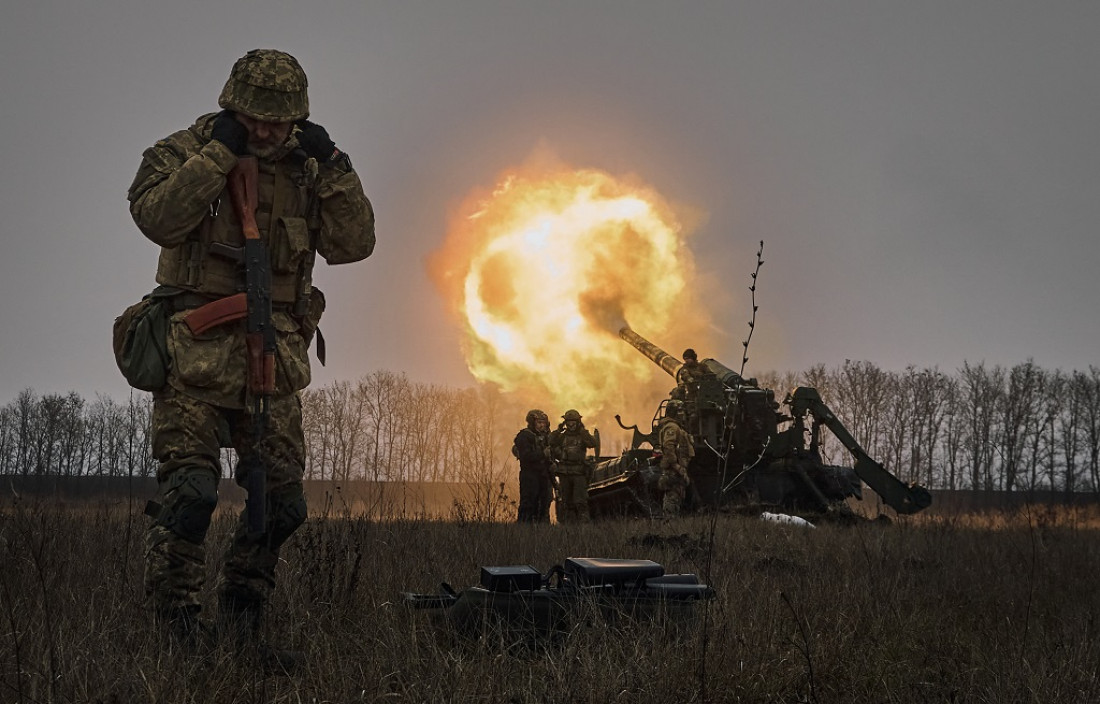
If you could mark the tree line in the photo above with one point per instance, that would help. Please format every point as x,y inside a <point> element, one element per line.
<point>985,427</point>
<point>382,427</point>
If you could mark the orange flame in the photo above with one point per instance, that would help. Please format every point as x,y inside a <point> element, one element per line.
<point>544,270</point>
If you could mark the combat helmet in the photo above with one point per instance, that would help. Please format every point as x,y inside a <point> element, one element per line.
<point>572,414</point>
<point>674,409</point>
<point>535,415</point>
<point>689,353</point>
<point>268,85</point>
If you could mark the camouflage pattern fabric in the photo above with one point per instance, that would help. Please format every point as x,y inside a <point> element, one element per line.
<point>568,448</point>
<point>187,436</point>
<point>211,367</point>
<point>179,201</point>
<point>691,372</point>
<point>674,486</point>
<point>573,498</point>
<point>202,407</point>
<point>687,384</point>
<point>677,447</point>
<point>266,84</point>
<point>677,451</point>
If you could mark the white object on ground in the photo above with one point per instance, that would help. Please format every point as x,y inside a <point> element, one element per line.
<point>784,518</point>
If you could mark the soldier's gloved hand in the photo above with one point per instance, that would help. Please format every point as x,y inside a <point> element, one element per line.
<point>231,133</point>
<point>316,143</point>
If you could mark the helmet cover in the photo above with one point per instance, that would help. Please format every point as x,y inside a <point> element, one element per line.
<point>268,85</point>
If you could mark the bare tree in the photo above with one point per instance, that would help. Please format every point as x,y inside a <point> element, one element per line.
<point>346,415</point>
<point>1018,419</point>
<point>25,411</point>
<point>8,435</point>
<point>954,436</point>
<point>1070,430</point>
<point>862,391</point>
<point>982,393</point>
<point>138,457</point>
<point>1089,389</point>
<point>1043,453</point>
<point>930,392</point>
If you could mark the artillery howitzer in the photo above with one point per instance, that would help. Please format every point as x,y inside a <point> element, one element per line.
<point>742,455</point>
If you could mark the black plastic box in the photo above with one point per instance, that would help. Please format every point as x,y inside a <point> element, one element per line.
<point>511,579</point>
<point>594,571</point>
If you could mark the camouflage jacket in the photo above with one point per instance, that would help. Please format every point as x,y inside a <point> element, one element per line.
<point>179,201</point>
<point>677,447</point>
<point>570,447</point>
<point>691,373</point>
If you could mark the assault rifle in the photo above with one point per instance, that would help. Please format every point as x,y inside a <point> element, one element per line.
<point>259,337</point>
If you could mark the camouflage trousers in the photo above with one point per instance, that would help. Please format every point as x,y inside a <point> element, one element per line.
<point>573,496</point>
<point>187,439</point>
<point>674,486</point>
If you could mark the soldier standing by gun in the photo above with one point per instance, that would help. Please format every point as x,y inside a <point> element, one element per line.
<point>677,450</point>
<point>236,266</point>
<point>568,449</point>
<point>536,483</point>
<point>687,387</point>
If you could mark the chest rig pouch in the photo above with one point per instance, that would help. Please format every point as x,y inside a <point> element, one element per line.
<point>211,261</point>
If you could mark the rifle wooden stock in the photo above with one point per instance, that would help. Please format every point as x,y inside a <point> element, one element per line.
<point>261,365</point>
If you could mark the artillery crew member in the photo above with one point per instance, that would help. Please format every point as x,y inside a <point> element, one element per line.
<point>692,370</point>
<point>677,450</point>
<point>568,449</point>
<point>309,201</point>
<point>687,386</point>
<point>536,482</point>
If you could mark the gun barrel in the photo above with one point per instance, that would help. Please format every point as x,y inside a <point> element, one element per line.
<point>727,376</point>
<point>658,356</point>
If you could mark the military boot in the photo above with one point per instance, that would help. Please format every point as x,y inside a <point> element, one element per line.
<point>182,627</point>
<point>240,625</point>
<point>239,619</point>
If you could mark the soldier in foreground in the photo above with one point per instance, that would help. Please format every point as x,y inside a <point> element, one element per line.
<point>568,449</point>
<point>677,450</point>
<point>536,483</point>
<point>309,201</point>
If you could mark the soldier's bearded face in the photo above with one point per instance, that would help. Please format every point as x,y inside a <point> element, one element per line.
<point>542,425</point>
<point>264,138</point>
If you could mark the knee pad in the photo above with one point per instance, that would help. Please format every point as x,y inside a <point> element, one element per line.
<point>288,511</point>
<point>189,503</point>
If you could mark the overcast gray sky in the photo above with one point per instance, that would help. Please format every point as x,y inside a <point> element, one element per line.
<point>924,174</point>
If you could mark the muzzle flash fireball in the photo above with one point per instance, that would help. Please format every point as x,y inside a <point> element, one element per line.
<point>544,270</point>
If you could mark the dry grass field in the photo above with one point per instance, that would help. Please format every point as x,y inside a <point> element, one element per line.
<point>969,608</point>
